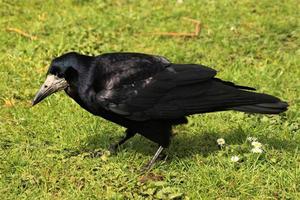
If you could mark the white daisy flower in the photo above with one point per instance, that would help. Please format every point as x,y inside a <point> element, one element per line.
<point>256,144</point>
<point>256,150</point>
<point>234,159</point>
<point>221,141</point>
<point>251,139</point>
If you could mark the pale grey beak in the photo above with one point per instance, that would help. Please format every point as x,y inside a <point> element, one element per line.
<point>51,85</point>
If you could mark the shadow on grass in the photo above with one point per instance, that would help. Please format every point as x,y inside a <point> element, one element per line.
<point>182,146</point>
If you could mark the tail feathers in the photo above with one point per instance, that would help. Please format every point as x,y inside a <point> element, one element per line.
<point>264,108</point>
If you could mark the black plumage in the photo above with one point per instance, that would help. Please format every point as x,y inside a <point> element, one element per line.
<point>148,94</point>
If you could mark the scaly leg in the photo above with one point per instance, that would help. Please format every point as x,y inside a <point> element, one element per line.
<point>129,134</point>
<point>152,161</point>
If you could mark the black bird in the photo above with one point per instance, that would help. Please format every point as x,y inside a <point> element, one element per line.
<point>148,94</point>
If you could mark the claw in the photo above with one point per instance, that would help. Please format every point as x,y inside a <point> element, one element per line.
<point>113,148</point>
<point>150,164</point>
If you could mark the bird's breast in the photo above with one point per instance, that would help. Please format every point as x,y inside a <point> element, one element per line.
<point>108,115</point>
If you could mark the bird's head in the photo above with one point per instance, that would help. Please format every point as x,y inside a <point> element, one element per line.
<point>62,73</point>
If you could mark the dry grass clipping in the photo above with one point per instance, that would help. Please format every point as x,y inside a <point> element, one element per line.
<point>22,33</point>
<point>196,32</point>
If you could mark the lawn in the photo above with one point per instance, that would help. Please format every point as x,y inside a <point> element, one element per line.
<point>57,150</point>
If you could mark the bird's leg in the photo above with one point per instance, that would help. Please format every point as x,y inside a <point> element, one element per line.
<point>153,159</point>
<point>129,134</point>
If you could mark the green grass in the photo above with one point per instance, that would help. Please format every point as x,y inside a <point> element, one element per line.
<point>51,151</point>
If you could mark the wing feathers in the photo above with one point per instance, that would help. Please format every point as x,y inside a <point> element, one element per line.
<point>179,90</point>
<point>162,83</point>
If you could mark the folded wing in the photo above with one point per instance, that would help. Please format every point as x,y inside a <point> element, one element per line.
<point>159,94</point>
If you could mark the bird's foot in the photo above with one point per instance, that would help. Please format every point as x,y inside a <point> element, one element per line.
<point>113,148</point>
<point>163,156</point>
<point>146,168</point>
<point>151,163</point>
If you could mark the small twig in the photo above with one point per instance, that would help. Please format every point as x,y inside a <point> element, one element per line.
<point>16,30</point>
<point>175,34</point>
<point>197,25</point>
<point>183,34</point>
